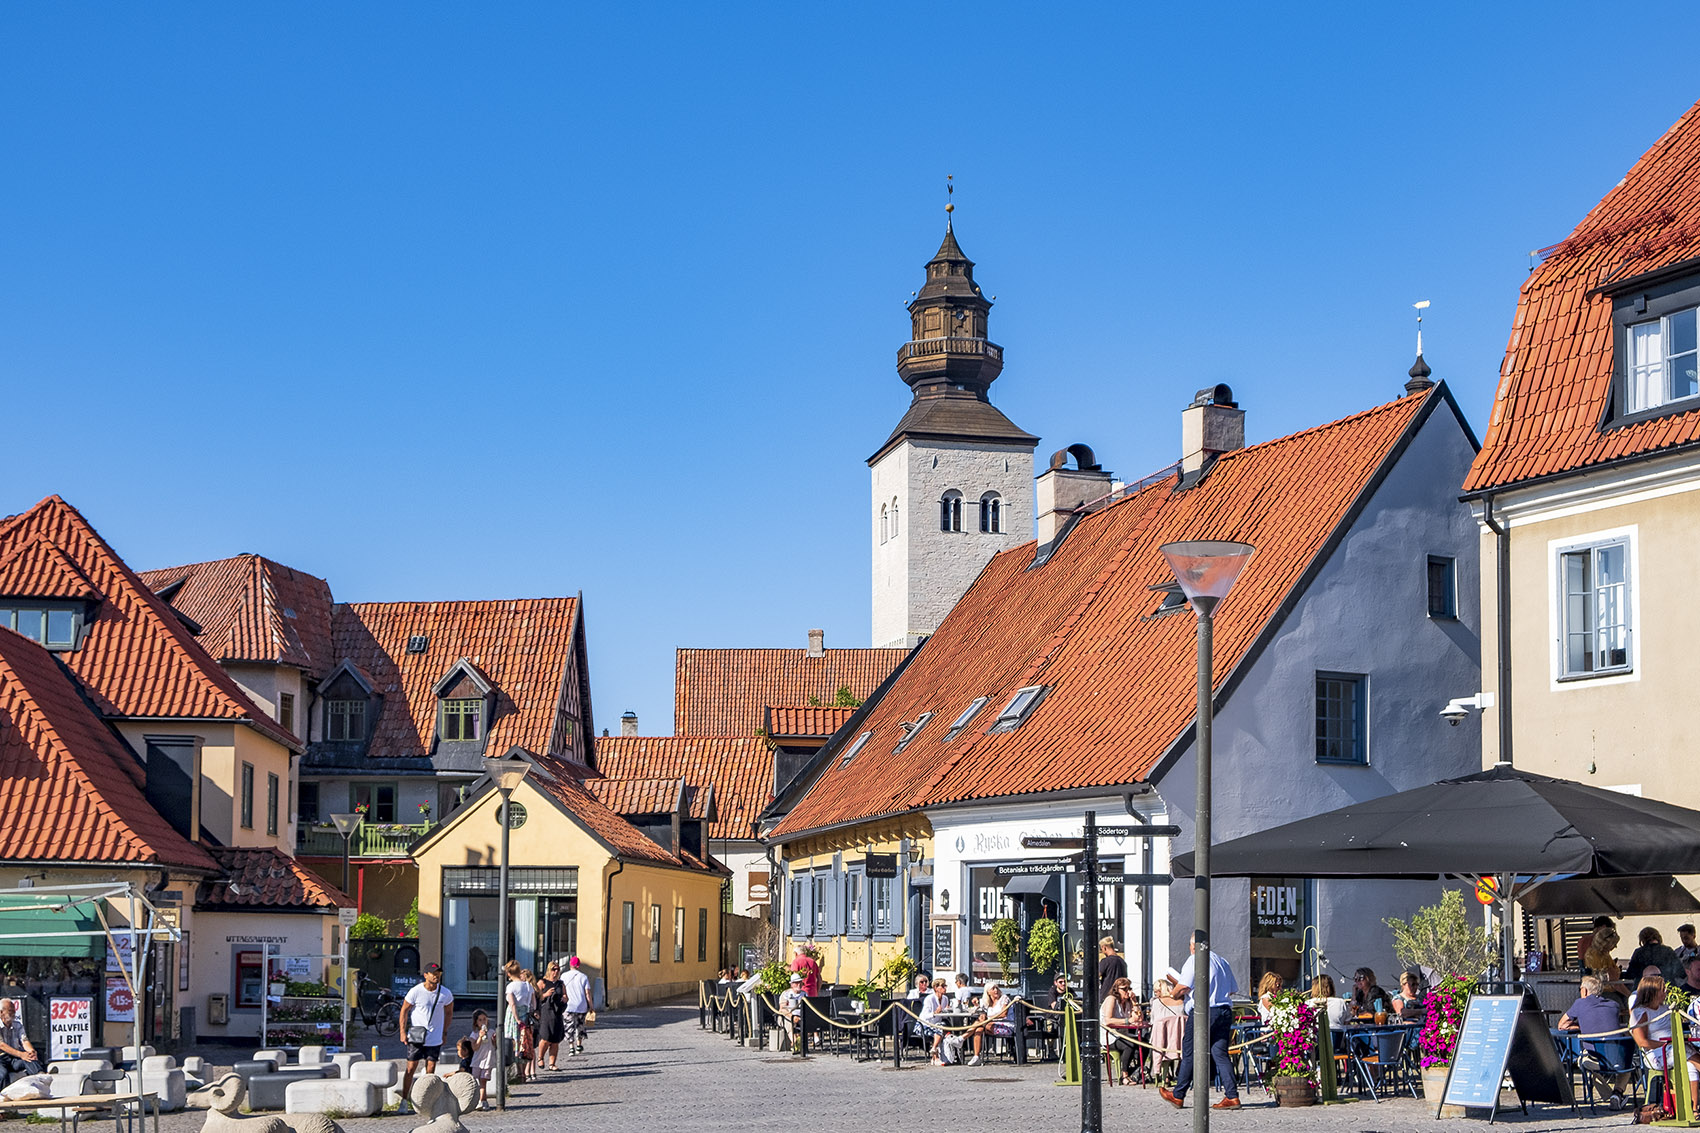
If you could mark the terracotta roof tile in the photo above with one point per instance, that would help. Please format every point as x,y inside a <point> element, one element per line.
<point>638,796</point>
<point>37,569</point>
<point>522,646</point>
<point>253,609</point>
<point>564,781</point>
<point>69,789</point>
<point>804,721</point>
<point>136,660</point>
<point>1122,682</point>
<point>1556,379</point>
<point>262,877</point>
<point>724,692</point>
<point>740,768</point>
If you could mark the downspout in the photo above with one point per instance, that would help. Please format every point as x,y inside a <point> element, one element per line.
<point>1502,631</point>
<point>607,925</point>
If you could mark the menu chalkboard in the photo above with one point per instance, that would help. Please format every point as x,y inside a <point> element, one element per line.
<point>1484,1045</point>
<point>944,948</point>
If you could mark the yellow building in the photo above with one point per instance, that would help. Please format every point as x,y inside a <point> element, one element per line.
<point>613,871</point>
<point>1588,491</point>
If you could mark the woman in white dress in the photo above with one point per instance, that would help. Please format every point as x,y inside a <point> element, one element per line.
<point>1649,1023</point>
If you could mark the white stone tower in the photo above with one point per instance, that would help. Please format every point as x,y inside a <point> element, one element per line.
<point>953,484</point>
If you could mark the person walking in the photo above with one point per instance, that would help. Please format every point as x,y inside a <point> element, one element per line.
<point>551,1016</point>
<point>516,1019</point>
<point>575,1005</point>
<point>1219,1017</point>
<point>426,1013</point>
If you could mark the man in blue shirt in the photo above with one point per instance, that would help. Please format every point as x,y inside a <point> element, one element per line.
<point>1595,1014</point>
<point>1220,1020</point>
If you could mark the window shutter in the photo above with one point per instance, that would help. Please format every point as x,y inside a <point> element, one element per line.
<point>900,888</point>
<point>835,906</point>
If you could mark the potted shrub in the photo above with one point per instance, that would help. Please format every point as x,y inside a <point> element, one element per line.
<point>1440,939</point>
<point>1044,945</point>
<point>1437,1042</point>
<point>1294,1023</point>
<point>1006,937</point>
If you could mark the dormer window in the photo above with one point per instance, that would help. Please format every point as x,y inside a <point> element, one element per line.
<point>1020,706</point>
<point>54,628</point>
<point>462,719</point>
<point>345,720</point>
<point>1663,364</point>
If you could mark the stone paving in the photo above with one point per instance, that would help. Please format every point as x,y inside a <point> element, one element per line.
<point>652,1070</point>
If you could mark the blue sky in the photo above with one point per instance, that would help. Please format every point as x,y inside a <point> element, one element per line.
<point>477,301</point>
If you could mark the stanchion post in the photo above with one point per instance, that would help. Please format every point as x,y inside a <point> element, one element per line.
<point>896,1037</point>
<point>1019,1011</point>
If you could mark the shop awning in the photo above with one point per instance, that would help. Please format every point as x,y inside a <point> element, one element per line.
<point>1044,884</point>
<point>47,924</point>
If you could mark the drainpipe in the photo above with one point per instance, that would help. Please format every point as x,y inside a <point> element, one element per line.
<point>607,924</point>
<point>1502,568</point>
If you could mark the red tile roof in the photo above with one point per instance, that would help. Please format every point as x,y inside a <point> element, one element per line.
<point>259,877</point>
<point>804,721</point>
<point>1556,379</point>
<point>740,768</point>
<point>137,660</point>
<point>522,646</point>
<point>253,609</point>
<point>37,569</point>
<point>638,796</point>
<point>1122,682</point>
<point>70,791</point>
<point>564,782</point>
<point>725,692</point>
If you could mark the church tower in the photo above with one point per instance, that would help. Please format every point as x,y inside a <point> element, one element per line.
<point>953,484</point>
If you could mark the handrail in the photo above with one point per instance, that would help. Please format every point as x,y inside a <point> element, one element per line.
<point>955,344</point>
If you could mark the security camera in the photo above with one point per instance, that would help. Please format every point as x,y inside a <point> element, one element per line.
<point>1453,713</point>
<point>1459,706</point>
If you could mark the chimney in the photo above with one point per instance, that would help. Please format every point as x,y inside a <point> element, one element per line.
<point>628,723</point>
<point>817,643</point>
<point>1212,425</point>
<point>1062,490</point>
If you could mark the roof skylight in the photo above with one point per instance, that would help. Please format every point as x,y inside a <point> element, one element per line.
<point>968,714</point>
<point>861,742</point>
<point>910,731</point>
<point>1020,706</point>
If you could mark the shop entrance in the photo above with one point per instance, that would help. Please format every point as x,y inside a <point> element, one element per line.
<point>1281,910</point>
<point>542,924</point>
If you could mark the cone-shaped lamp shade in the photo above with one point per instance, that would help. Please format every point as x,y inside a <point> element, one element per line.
<point>347,824</point>
<point>507,771</point>
<point>1207,568</point>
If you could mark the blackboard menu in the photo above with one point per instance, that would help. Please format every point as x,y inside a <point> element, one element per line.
<point>1484,1044</point>
<point>944,948</point>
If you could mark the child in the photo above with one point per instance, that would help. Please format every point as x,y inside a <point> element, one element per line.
<point>478,1055</point>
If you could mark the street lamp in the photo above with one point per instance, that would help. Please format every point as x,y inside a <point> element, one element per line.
<point>1206,570</point>
<point>507,772</point>
<point>346,825</point>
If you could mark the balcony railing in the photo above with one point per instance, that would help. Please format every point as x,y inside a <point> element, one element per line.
<point>921,347</point>
<point>372,840</point>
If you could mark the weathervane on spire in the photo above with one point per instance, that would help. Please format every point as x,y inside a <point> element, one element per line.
<point>1419,371</point>
<point>949,192</point>
<point>1420,308</point>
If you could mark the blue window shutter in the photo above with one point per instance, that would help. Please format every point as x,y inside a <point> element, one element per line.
<point>900,890</point>
<point>835,889</point>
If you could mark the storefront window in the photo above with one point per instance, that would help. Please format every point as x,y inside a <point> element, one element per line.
<point>1279,913</point>
<point>542,924</point>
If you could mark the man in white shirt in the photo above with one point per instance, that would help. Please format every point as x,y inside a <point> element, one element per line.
<point>1220,1020</point>
<point>576,1006</point>
<point>426,1012</point>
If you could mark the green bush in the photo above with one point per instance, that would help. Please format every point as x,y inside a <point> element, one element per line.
<point>1006,936</point>
<point>1441,937</point>
<point>369,926</point>
<point>1044,945</point>
<point>775,977</point>
<point>411,921</point>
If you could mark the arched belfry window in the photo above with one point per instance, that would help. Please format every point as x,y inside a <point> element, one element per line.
<point>894,527</point>
<point>950,511</point>
<point>885,521</point>
<point>991,514</point>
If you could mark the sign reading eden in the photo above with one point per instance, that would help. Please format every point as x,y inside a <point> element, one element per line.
<point>880,865</point>
<point>1277,906</point>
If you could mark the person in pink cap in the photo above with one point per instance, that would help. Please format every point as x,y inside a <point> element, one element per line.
<point>576,1006</point>
<point>806,966</point>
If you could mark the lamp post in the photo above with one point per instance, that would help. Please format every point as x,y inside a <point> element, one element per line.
<point>1206,570</point>
<point>346,825</point>
<point>507,772</point>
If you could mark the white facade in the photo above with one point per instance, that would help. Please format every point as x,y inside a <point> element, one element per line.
<point>920,569</point>
<point>970,843</point>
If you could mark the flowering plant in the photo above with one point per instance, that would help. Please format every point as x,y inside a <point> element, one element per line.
<point>362,808</point>
<point>425,809</point>
<point>1293,1021</point>
<point>1438,1039</point>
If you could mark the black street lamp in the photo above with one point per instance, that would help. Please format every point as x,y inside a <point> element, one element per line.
<point>346,825</point>
<point>507,772</point>
<point>1206,570</point>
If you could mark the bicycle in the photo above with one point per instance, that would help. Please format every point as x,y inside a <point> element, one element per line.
<point>381,1009</point>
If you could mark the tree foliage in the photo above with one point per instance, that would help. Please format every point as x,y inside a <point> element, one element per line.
<point>369,926</point>
<point>1441,938</point>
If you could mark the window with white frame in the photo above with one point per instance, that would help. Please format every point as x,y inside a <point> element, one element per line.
<point>1594,631</point>
<point>885,913</point>
<point>818,905</point>
<point>950,511</point>
<point>967,717</point>
<point>1020,706</point>
<point>855,903</point>
<point>991,513</point>
<point>1662,363</point>
<point>850,752</point>
<point>885,520</point>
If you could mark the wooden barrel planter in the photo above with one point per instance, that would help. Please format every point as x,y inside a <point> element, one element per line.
<point>1292,1091</point>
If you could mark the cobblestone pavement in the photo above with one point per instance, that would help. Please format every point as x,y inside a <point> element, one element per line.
<point>651,1070</point>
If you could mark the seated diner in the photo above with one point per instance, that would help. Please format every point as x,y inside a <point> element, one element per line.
<point>1649,1024</point>
<point>1119,1015</point>
<point>1368,997</point>
<point>994,1019</point>
<point>1336,1010</point>
<point>1411,1004</point>
<point>1267,989</point>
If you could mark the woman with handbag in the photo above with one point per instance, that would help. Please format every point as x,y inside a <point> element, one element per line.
<point>516,1019</point>
<point>551,1016</point>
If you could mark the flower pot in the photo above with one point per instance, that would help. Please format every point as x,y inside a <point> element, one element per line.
<point>1434,1086</point>
<point>1293,1091</point>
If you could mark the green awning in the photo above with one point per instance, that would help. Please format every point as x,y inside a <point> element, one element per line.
<point>30,926</point>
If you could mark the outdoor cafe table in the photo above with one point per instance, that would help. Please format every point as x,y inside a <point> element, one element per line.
<point>1356,1041</point>
<point>89,1101</point>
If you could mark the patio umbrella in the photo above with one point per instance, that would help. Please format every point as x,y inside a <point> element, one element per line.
<point>1613,896</point>
<point>1500,821</point>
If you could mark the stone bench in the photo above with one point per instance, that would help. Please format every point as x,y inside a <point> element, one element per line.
<point>311,1056</point>
<point>127,1054</point>
<point>69,1084</point>
<point>344,1061</point>
<point>170,1086</point>
<point>277,1057</point>
<point>249,1069</point>
<point>335,1096</point>
<point>268,1091</point>
<point>157,1062</point>
<point>381,1074</point>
